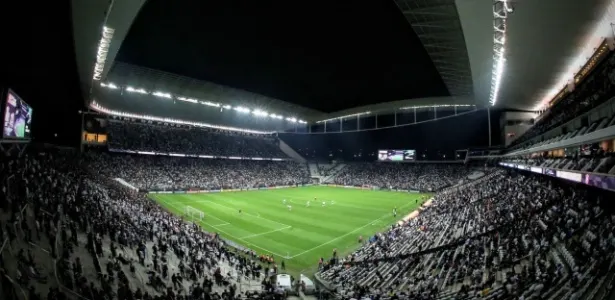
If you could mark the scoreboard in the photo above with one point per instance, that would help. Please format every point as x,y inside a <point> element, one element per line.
<point>396,155</point>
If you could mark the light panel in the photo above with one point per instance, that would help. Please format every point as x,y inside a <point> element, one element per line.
<point>501,10</point>
<point>208,103</point>
<point>187,99</point>
<point>102,52</point>
<point>260,113</point>
<point>437,106</point>
<point>99,108</point>
<point>135,90</point>
<point>162,95</point>
<point>109,85</point>
<point>241,109</point>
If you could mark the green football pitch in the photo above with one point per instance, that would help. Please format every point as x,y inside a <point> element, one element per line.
<point>299,235</point>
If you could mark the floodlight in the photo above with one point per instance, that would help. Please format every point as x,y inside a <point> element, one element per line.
<point>187,99</point>
<point>241,109</point>
<point>102,52</point>
<point>162,95</point>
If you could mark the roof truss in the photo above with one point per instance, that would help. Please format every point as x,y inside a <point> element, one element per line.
<point>436,23</point>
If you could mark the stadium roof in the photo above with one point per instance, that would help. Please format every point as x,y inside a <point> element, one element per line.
<point>547,42</point>
<point>333,59</point>
<point>323,55</point>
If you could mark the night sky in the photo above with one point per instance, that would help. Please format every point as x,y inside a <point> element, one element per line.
<point>38,63</point>
<point>326,55</point>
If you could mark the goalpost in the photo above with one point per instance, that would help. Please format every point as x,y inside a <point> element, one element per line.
<point>193,213</point>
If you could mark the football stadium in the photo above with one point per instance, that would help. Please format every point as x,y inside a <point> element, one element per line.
<point>394,149</point>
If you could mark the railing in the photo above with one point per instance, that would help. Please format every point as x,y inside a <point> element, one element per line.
<point>599,180</point>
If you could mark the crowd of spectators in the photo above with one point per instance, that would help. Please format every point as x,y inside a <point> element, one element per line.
<point>325,169</point>
<point>594,90</point>
<point>601,163</point>
<point>137,136</point>
<point>403,176</point>
<point>503,236</point>
<point>175,173</point>
<point>70,233</point>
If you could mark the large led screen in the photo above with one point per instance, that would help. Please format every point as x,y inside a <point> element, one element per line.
<point>396,155</point>
<point>17,117</point>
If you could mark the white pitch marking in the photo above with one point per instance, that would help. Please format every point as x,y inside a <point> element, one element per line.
<point>266,232</point>
<point>237,238</point>
<point>249,214</point>
<point>338,204</point>
<point>304,252</point>
<point>347,234</point>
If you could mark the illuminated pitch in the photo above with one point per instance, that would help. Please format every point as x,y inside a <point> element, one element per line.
<point>262,221</point>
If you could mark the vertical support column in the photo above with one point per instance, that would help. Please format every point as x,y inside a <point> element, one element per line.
<point>341,124</point>
<point>395,117</point>
<point>435,113</point>
<point>376,121</point>
<point>325,126</point>
<point>358,123</point>
<point>489,124</point>
<point>309,128</point>
<point>415,115</point>
<point>455,107</point>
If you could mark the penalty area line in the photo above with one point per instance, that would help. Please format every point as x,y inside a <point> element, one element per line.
<point>257,215</point>
<point>232,236</point>
<point>345,235</point>
<point>266,232</point>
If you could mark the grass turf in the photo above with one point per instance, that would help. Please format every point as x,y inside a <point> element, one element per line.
<point>304,234</point>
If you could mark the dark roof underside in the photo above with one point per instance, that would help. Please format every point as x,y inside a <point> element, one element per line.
<point>325,55</point>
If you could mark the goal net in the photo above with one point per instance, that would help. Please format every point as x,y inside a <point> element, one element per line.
<point>193,214</point>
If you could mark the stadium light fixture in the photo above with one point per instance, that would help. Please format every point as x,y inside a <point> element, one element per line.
<point>109,85</point>
<point>260,113</point>
<point>162,95</point>
<point>274,116</point>
<point>302,122</point>
<point>436,106</point>
<point>187,99</point>
<point>256,112</point>
<point>97,107</point>
<point>241,109</point>
<point>294,120</point>
<point>133,90</point>
<point>208,103</point>
<point>102,52</point>
<point>501,9</point>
